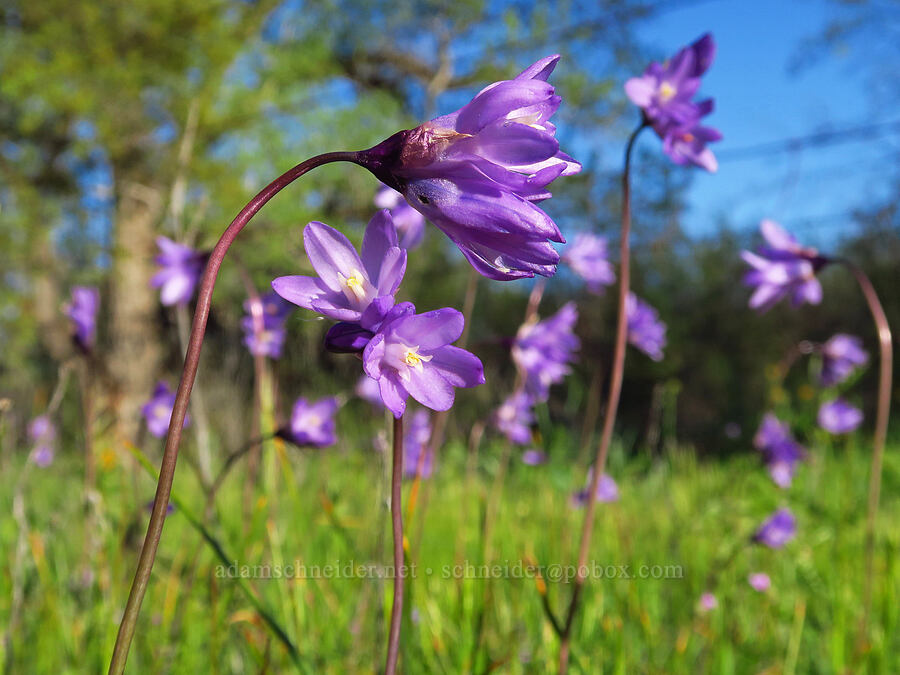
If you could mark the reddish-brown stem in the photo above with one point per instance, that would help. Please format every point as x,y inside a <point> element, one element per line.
<point>612,406</point>
<point>191,362</point>
<point>885,372</point>
<point>390,666</point>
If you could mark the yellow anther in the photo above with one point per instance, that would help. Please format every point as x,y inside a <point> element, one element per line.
<point>666,91</point>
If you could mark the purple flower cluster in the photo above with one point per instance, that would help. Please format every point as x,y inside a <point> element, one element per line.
<point>588,258</point>
<point>263,326</point>
<point>759,581</point>
<point>780,451</point>
<point>408,354</point>
<point>416,439</point>
<point>514,418</point>
<point>42,433</point>
<point>645,329</point>
<point>410,223</point>
<point>607,490</point>
<point>665,94</point>
<point>543,350</point>
<point>312,424</point>
<point>157,411</point>
<point>777,530</point>
<point>477,173</point>
<point>841,355</point>
<point>82,310</point>
<point>782,269</point>
<point>839,417</point>
<point>180,270</point>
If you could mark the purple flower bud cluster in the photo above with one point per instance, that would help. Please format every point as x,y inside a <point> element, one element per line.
<point>157,411</point>
<point>263,325</point>
<point>544,349</point>
<point>312,423</point>
<point>646,330</point>
<point>180,269</point>
<point>779,449</point>
<point>777,530</point>
<point>82,310</point>
<point>607,490</point>
<point>588,257</point>
<point>42,434</point>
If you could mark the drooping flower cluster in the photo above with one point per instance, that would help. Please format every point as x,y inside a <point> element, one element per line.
<point>416,439</point>
<point>477,173</point>
<point>646,330</point>
<point>841,355</point>
<point>780,451</point>
<point>312,424</point>
<point>588,258</point>
<point>263,326</point>
<point>82,310</point>
<point>408,354</point>
<point>42,434</point>
<point>410,223</point>
<point>180,270</point>
<point>782,269</point>
<point>665,94</point>
<point>157,411</point>
<point>777,530</point>
<point>544,349</point>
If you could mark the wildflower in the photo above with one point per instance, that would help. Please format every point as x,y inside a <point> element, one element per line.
<point>839,417</point>
<point>708,602</point>
<point>477,173</point>
<point>777,530</point>
<point>42,433</point>
<point>411,355</point>
<point>759,581</point>
<point>416,439</point>
<point>607,490</point>
<point>534,457</point>
<point>780,451</point>
<point>588,258</point>
<point>782,269</point>
<point>645,329</point>
<point>82,310</point>
<point>367,389</point>
<point>542,350</point>
<point>514,418</point>
<point>180,270</point>
<point>157,411</point>
<point>841,355</point>
<point>312,424</point>
<point>263,327</point>
<point>410,223</point>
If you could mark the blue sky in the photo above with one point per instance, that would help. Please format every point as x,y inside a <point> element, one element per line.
<point>759,100</point>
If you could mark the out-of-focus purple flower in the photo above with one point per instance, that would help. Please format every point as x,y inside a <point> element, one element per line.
<point>665,94</point>
<point>82,310</point>
<point>708,602</point>
<point>349,287</point>
<point>543,350</point>
<point>588,258</point>
<point>534,457</point>
<point>477,173</point>
<point>645,329</point>
<point>841,355</point>
<point>180,270</point>
<point>410,223</point>
<point>839,417</point>
<point>312,423</point>
<point>607,490</point>
<point>780,451</point>
<point>415,441</point>
<point>157,411</point>
<point>263,325</point>
<point>782,269</point>
<point>514,418</point>
<point>733,430</point>
<point>170,507</point>
<point>777,530</point>
<point>759,581</point>
<point>42,433</point>
<point>411,355</point>
<point>368,389</point>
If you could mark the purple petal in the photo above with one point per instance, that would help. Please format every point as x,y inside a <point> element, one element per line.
<point>379,238</point>
<point>430,330</point>
<point>331,254</point>
<point>540,70</point>
<point>458,366</point>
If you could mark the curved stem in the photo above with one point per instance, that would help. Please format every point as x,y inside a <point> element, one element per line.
<point>390,666</point>
<point>885,372</point>
<point>615,389</point>
<point>191,362</point>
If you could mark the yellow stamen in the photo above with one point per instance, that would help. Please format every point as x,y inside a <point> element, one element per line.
<point>355,283</point>
<point>413,359</point>
<point>666,91</point>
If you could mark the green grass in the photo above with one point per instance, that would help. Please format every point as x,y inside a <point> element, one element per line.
<point>64,583</point>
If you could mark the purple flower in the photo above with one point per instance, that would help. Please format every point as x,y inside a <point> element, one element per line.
<point>759,581</point>
<point>82,310</point>
<point>777,530</point>
<point>543,350</point>
<point>780,451</point>
<point>349,287</point>
<point>411,355</point>
<point>180,270</point>
<point>410,223</point>
<point>157,411</point>
<point>645,329</point>
<point>708,602</point>
<point>588,258</point>
<point>514,418</point>
<point>42,433</point>
<point>263,327</point>
<point>477,173</point>
<point>607,490</point>
<point>782,269</point>
<point>368,389</point>
<point>839,417</point>
<point>841,354</point>
<point>416,439</point>
<point>312,423</point>
<point>687,145</point>
<point>534,457</point>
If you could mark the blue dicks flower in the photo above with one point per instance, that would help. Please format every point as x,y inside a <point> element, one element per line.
<point>514,418</point>
<point>588,258</point>
<point>416,439</point>
<point>607,490</point>
<point>42,433</point>
<point>350,286</point>
<point>477,173</point>
<point>82,310</point>
<point>759,581</point>
<point>312,424</point>
<point>263,326</point>
<point>780,451</point>
<point>782,269</point>
<point>841,355</point>
<point>543,350</point>
<point>180,270</point>
<point>410,223</point>
<point>411,355</point>
<point>708,602</point>
<point>839,417</point>
<point>157,411</point>
<point>777,530</point>
<point>533,457</point>
<point>646,330</point>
